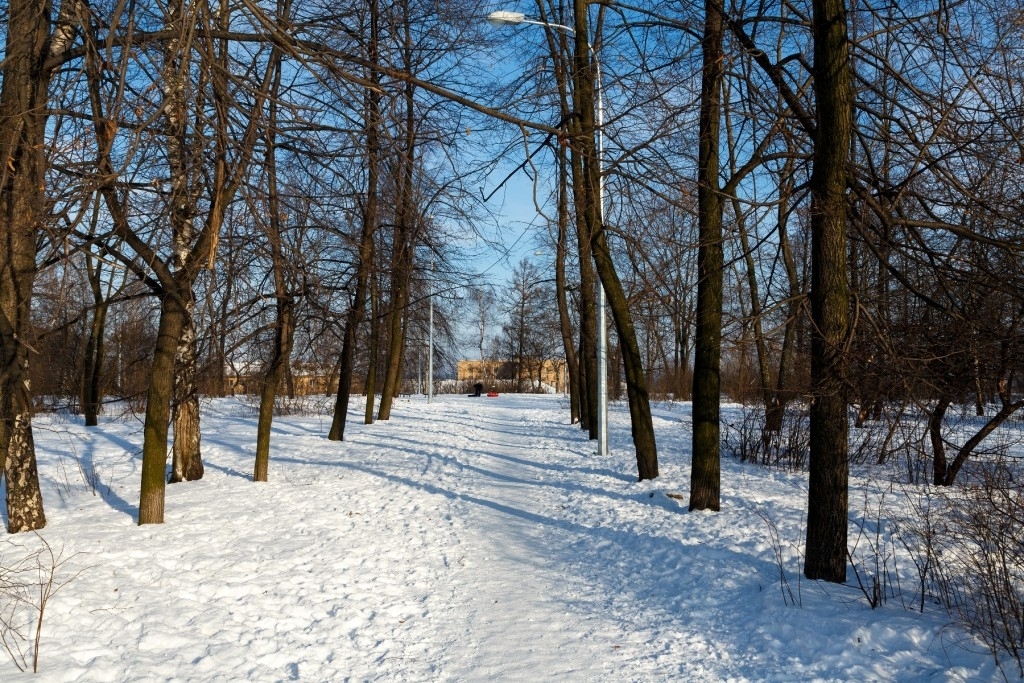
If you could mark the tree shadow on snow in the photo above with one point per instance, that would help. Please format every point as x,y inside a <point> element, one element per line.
<point>618,565</point>
<point>92,476</point>
<point>417,449</point>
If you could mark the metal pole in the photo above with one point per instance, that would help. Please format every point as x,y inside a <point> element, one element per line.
<point>602,323</point>
<point>430,336</point>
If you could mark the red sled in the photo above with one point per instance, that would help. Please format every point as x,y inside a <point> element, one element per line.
<point>492,394</point>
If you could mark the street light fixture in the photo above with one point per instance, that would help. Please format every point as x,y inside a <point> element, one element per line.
<point>504,18</point>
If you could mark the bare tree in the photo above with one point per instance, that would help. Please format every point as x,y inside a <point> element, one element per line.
<point>23,113</point>
<point>284,289</point>
<point>357,308</point>
<point>592,216</point>
<point>193,254</point>
<point>528,306</point>
<point>827,502</point>
<point>705,473</point>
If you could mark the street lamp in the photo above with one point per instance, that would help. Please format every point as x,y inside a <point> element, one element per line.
<point>503,18</point>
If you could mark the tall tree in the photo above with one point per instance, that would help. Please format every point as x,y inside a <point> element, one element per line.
<point>364,263</point>
<point>827,497</point>
<point>581,361</point>
<point>372,362</point>
<point>176,284</point>
<point>705,471</point>
<point>284,291</point>
<point>403,239</point>
<point>526,303</point>
<point>95,347</point>
<point>183,161</point>
<point>584,97</point>
<point>562,288</point>
<point>407,217</point>
<point>570,99</point>
<point>23,115</point>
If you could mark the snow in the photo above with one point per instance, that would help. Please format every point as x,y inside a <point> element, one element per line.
<point>469,539</point>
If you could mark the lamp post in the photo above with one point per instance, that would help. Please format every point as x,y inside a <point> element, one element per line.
<point>503,18</point>
<point>430,336</point>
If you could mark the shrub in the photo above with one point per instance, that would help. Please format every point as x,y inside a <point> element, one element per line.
<point>748,441</point>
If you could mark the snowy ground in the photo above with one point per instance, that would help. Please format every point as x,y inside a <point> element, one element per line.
<point>465,540</point>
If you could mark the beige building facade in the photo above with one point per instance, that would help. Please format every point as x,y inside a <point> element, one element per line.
<point>490,372</point>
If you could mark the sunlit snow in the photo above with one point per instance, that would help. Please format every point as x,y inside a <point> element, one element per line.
<point>471,539</point>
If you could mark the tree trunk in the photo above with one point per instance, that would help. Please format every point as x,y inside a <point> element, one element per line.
<point>158,403</point>
<point>370,386</point>
<point>219,312</point>
<point>943,472</point>
<point>938,445</point>
<point>588,286</point>
<point>769,395</point>
<point>284,334</point>
<point>593,218</point>
<point>1004,413</point>
<point>705,473</point>
<point>346,365</point>
<point>682,389</point>
<point>365,263</point>
<point>776,411</point>
<point>564,321</point>
<point>636,386</point>
<point>396,330</point>
<point>284,328</point>
<point>584,197</point>
<point>979,394</point>
<point>614,373</point>
<point>186,460</point>
<point>562,218</point>
<point>23,113</point>
<point>92,386</point>
<point>827,501</point>
<point>401,261</point>
<point>24,499</point>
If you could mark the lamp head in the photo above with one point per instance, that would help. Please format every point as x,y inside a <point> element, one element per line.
<point>504,18</point>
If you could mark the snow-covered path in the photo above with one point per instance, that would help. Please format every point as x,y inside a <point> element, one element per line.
<point>465,540</point>
<point>500,604</point>
<point>523,612</point>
